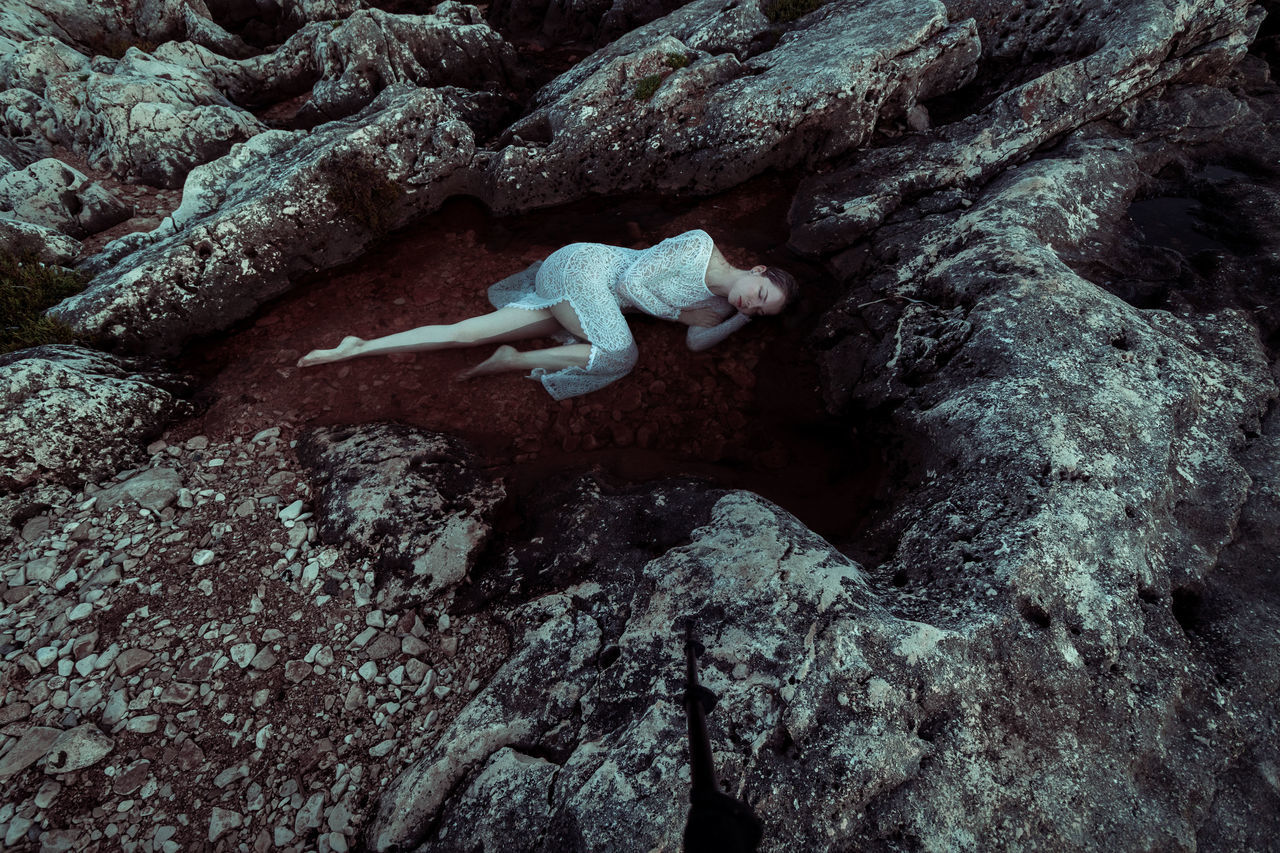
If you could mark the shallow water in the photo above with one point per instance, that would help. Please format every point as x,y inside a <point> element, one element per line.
<point>746,414</point>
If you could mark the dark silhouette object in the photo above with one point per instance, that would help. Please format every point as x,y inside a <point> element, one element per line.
<point>717,822</point>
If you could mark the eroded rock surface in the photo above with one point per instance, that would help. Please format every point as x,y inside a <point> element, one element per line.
<point>51,194</point>
<point>410,499</point>
<point>1064,631</point>
<point>71,414</point>
<point>344,64</point>
<point>693,101</point>
<point>281,204</point>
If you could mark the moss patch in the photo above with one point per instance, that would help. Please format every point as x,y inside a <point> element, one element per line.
<point>27,288</point>
<point>784,11</point>
<point>677,60</point>
<point>647,86</point>
<point>360,190</point>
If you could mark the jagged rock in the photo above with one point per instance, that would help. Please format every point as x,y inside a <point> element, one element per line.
<point>346,64</point>
<point>31,63</point>
<point>279,205</point>
<point>27,124</point>
<point>737,109</point>
<point>110,28</point>
<point>51,194</point>
<point>30,748</point>
<point>409,497</point>
<point>68,414</point>
<point>145,120</point>
<point>595,682</point>
<point>22,239</point>
<point>1131,51</point>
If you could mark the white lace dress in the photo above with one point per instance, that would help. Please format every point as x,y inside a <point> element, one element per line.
<point>601,282</point>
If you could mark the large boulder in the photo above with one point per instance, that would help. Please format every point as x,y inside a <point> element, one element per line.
<point>344,64</point>
<point>1071,632</point>
<point>1133,51</point>
<point>695,101</point>
<point>145,120</point>
<point>23,239</point>
<point>279,205</point>
<point>72,415</point>
<point>111,28</point>
<point>51,194</point>
<point>411,500</point>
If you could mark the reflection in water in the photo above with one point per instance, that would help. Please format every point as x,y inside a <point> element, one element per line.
<point>746,414</point>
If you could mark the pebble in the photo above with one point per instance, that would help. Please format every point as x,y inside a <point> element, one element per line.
<point>381,750</point>
<point>223,821</point>
<point>242,654</point>
<point>202,557</point>
<point>292,511</point>
<point>145,724</point>
<point>368,670</point>
<point>80,612</point>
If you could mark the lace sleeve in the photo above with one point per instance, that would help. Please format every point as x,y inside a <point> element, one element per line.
<point>700,338</point>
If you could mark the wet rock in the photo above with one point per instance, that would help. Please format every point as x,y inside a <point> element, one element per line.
<point>408,497</point>
<point>51,194</point>
<point>69,414</point>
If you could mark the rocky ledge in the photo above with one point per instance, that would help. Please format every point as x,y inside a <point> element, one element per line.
<point>1046,234</point>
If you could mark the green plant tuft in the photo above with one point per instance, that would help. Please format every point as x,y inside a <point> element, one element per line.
<point>27,288</point>
<point>360,190</point>
<point>677,60</point>
<point>784,11</point>
<point>647,86</point>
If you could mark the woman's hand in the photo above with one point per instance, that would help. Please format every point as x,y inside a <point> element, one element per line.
<point>705,317</point>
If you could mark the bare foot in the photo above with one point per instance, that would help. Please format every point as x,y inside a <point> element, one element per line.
<point>346,349</point>
<point>501,360</point>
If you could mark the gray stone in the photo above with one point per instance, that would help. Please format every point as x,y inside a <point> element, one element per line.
<point>78,748</point>
<point>70,415</point>
<point>154,489</point>
<point>30,748</point>
<point>222,821</point>
<point>43,244</point>
<point>52,194</point>
<point>231,246</point>
<point>407,497</point>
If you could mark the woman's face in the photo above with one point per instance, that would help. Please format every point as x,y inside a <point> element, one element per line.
<point>752,293</point>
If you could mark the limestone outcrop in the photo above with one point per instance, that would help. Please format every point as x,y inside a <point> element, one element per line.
<point>345,63</point>
<point>1050,236</point>
<point>409,500</point>
<point>701,99</point>
<point>51,194</point>
<point>284,203</point>
<point>71,414</point>
<point>1126,53</point>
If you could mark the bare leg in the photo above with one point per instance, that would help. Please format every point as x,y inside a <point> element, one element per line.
<point>508,358</point>
<point>505,324</point>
